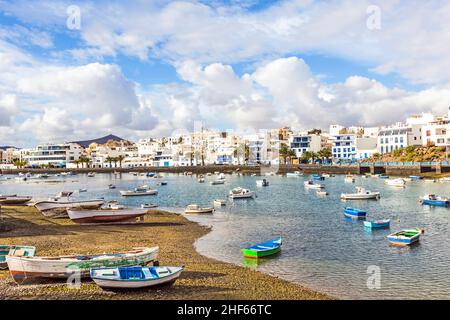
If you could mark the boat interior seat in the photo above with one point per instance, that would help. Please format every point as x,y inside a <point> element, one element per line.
<point>131,273</point>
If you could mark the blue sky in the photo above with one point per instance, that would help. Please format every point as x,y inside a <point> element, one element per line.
<point>147,68</point>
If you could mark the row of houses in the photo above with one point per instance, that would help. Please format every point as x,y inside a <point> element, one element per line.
<point>226,147</point>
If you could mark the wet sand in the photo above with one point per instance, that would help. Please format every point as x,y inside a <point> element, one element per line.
<point>203,278</point>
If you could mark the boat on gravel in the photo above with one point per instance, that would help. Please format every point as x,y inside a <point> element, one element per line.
<point>263,249</point>
<point>14,200</point>
<point>63,201</point>
<point>134,277</point>
<point>196,209</point>
<point>62,267</point>
<point>109,214</point>
<point>14,250</point>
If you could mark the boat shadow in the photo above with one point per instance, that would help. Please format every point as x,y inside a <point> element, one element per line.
<point>253,263</point>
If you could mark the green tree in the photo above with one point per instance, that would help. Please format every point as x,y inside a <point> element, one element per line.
<point>284,152</point>
<point>120,158</point>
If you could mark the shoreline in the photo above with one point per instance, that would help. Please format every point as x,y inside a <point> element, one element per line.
<point>203,278</point>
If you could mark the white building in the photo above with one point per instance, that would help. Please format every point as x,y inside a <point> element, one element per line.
<point>437,131</point>
<point>57,155</point>
<point>399,136</point>
<point>344,147</point>
<point>335,129</point>
<point>304,142</point>
<point>365,147</point>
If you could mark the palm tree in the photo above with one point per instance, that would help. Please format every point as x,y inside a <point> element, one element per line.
<point>284,151</point>
<point>246,152</point>
<point>77,162</point>
<point>109,160</point>
<point>291,155</point>
<point>84,160</point>
<point>307,155</point>
<point>120,158</point>
<point>20,163</point>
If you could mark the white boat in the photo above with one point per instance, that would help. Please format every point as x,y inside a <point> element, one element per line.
<point>349,178</point>
<point>269,174</point>
<point>361,194</point>
<point>148,205</point>
<point>445,179</point>
<point>23,268</point>
<point>262,183</point>
<point>241,193</point>
<point>321,193</point>
<point>134,277</point>
<point>91,174</point>
<point>201,180</point>
<point>221,176</point>
<point>195,208</point>
<point>220,202</point>
<point>82,190</point>
<point>294,174</point>
<point>111,213</point>
<point>14,200</point>
<point>139,192</point>
<point>311,185</point>
<point>222,181</point>
<point>395,182</point>
<point>63,201</point>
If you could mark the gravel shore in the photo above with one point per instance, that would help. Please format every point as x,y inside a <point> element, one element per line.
<point>203,278</point>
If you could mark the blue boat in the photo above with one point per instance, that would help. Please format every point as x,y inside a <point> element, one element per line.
<point>354,213</point>
<point>150,174</point>
<point>377,224</point>
<point>415,178</point>
<point>317,177</point>
<point>263,249</point>
<point>433,200</point>
<point>383,176</point>
<point>405,237</point>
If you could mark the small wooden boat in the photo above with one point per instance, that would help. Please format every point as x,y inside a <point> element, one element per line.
<point>377,224</point>
<point>111,213</point>
<point>263,249</point>
<point>63,201</point>
<point>354,213</point>
<point>311,185</point>
<point>148,205</point>
<point>349,178</point>
<point>14,200</point>
<point>317,177</point>
<point>321,193</point>
<point>220,202</point>
<point>433,200</point>
<point>161,183</point>
<point>327,175</point>
<point>361,194</point>
<point>294,174</point>
<point>262,183</point>
<point>395,182</point>
<point>14,250</point>
<point>240,193</point>
<point>220,181</point>
<point>23,268</point>
<point>138,192</point>
<point>196,209</point>
<point>405,237</point>
<point>134,277</point>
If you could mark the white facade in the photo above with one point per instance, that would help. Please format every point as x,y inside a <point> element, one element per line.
<point>58,155</point>
<point>344,147</point>
<point>366,147</point>
<point>399,136</point>
<point>335,129</point>
<point>304,142</point>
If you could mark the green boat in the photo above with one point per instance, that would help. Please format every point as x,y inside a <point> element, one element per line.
<point>263,249</point>
<point>23,251</point>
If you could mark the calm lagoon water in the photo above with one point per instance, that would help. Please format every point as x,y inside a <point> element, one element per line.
<point>322,249</point>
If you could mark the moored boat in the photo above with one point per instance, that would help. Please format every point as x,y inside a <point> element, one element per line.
<point>349,178</point>
<point>311,185</point>
<point>263,249</point>
<point>405,237</point>
<point>413,178</point>
<point>240,193</point>
<point>111,186</point>
<point>23,268</point>
<point>433,200</point>
<point>361,194</point>
<point>220,202</point>
<point>354,213</point>
<point>91,174</point>
<point>148,205</point>
<point>395,182</point>
<point>139,192</point>
<point>317,177</point>
<point>220,181</point>
<point>294,174</point>
<point>14,250</point>
<point>321,193</point>
<point>262,183</point>
<point>377,224</point>
<point>111,213</point>
<point>196,209</point>
<point>134,277</point>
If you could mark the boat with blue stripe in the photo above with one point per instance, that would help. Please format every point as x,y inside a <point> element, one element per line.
<point>433,200</point>
<point>263,249</point>
<point>354,213</point>
<point>377,224</point>
<point>317,177</point>
<point>405,237</point>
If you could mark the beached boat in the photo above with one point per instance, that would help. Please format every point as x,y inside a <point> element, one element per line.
<point>215,182</point>
<point>361,194</point>
<point>349,178</point>
<point>220,202</point>
<point>14,250</point>
<point>240,193</point>
<point>354,213</point>
<point>262,183</point>
<point>311,185</point>
<point>433,200</point>
<point>377,224</point>
<point>22,268</point>
<point>139,192</point>
<point>317,177</point>
<point>111,213</point>
<point>14,200</point>
<point>148,205</point>
<point>294,174</point>
<point>321,193</point>
<point>263,249</point>
<point>63,201</point>
<point>196,209</point>
<point>405,237</point>
<point>134,277</point>
<point>395,182</point>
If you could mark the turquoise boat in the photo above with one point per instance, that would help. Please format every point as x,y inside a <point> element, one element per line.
<point>354,213</point>
<point>22,251</point>
<point>263,249</point>
<point>405,237</point>
<point>377,224</point>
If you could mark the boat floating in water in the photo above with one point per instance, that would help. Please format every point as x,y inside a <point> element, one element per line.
<point>109,214</point>
<point>349,178</point>
<point>220,181</point>
<point>91,174</point>
<point>317,177</point>
<point>14,250</point>
<point>148,205</point>
<point>395,182</point>
<point>355,213</point>
<point>196,209</point>
<point>220,202</point>
<point>405,237</point>
<point>361,194</point>
<point>23,268</point>
<point>134,277</point>
<point>311,185</point>
<point>413,178</point>
<point>240,193</point>
<point>140,191</point>
<point>263,249</point>
<point>262,183</point>
<point>111,186</point>
<point>294,174</point>
<point>377,224</point>
<point>321,193</point>
<point>433,200</point>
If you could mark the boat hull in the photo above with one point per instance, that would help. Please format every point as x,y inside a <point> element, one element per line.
<point>403,242</point>
<point>138,194</point>
<point>105,216</point>
<point>44,206</point>
<point>252,254</point>
<point>14,200</point>
<point>438,203</point>
<point>376,225</point>
<point>13,249</point>
<point>357,196</point>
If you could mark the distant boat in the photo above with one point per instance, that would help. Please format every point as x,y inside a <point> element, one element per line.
<point>262,183</point>
<point>62,267</point>
<point>14,200</point>
<point>112,213</point>
<point>433,200</point>
<point>201,180</point>
<point>317,177</point>
<point>349,178</point>
<point>150,174</point>
<point>14,250</point>
<point>148,205</point>
<point>361,194</point>
<point>138,192</point>
<point>321,193</point>
<point>240,193</point>
<point>311,185</point>
<point>215,182</point>
<point>263,249</point>
<point>111,186</point>
<point>134,277</point>
<point>383,176</point>
<point>327,175</point>
<point>220,202</point>
<point>396,182</point>
<point>91,174</point>
<point>377,224</point>
<point>294,174</point>
<point>445,179</point>
<point>82,190</point>
<point>196,209</point>
<point>354,213</point>
<point>415,178</point>
<point>405,237</point>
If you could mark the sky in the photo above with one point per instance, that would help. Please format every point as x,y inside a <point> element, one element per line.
<point>75,70</point>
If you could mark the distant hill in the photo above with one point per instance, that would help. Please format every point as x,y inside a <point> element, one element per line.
<point>101,140</point>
